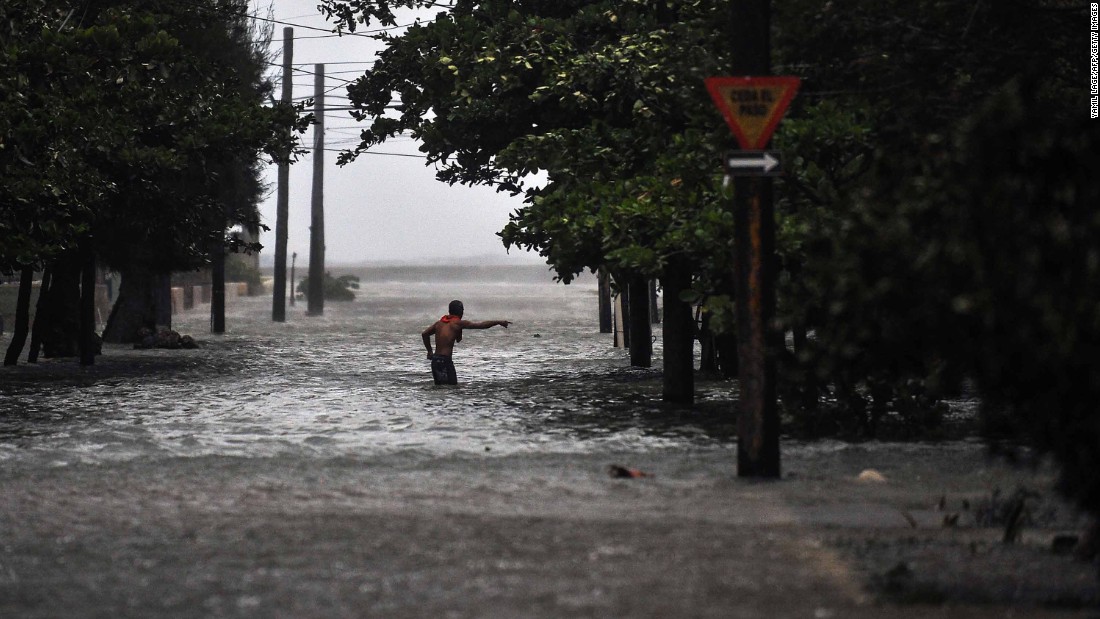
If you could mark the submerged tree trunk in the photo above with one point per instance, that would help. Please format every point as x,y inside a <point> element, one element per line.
<point>641,338</point>
<point>708,362</point>
<point>163,301</point>
<point>39,317</point>
<point>810,389</point>
<point>88,348</point>
<point>679,337</point>
<point>135,308</point>
<point>654,311</point>
<point>728,362</point>
<point>22,317</point>
<point>624,306</point>
<point>604,291</point>
<point>217,288</point>
<point>61,310</point>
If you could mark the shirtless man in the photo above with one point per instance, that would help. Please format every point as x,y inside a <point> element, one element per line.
<point>448,332</point>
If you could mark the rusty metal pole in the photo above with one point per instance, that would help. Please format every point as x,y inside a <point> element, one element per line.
<point>754,222</point>
<point>758,416</point>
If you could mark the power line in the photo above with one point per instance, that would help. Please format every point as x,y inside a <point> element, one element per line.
<point>330,63</point>
<point>343,34</point>
<point>365,33</point>
<point>304,72</point>
<point>345,85</point>
<point>302,16</point>
<point>335,72</point>
<point>366,152</point>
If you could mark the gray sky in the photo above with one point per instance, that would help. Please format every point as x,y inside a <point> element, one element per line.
<point>377,208</point>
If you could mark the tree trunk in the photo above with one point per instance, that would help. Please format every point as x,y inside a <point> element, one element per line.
<point>135,308</point>
<point>162,296</point>
<point>728,363</point>
<point>22,317</point>
<point>679,337</point>
<point>217,288</point>
<point>708,362</point>
<point>641,337</point>
<point>604,290</point>
<point>61,331</point>
<point>39,317</point>
<point>654,311</point>
<point>622,314</point>
<point>87,340</point>
<point>810,390</point>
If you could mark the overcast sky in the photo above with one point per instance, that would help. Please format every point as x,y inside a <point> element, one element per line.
<point>379,207</point>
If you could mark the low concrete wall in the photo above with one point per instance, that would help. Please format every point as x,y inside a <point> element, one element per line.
<point>177,300</point>
<point>191,297</point>
<point>183,298</point>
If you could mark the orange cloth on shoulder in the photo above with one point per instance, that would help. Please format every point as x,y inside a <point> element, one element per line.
<point>450,318</point>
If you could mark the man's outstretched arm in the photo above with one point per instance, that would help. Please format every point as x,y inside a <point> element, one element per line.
<point>484,324</point>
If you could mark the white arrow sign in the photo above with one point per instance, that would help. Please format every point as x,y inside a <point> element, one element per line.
<point>752,162</point>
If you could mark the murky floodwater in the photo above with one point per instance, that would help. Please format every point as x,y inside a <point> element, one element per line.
<point>356,381</point>
<point>302,469</point>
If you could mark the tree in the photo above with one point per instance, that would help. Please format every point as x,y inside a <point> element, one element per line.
<point>212,173</point>
<point>599,96</point>
<point>46,189</point>
<point>334,288</point>
<point>953,233</point>
<point>134,135</point>
<point>900,183</point>
<point>887,91</point>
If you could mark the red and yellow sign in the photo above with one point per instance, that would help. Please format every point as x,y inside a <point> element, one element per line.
<point>752,106</point>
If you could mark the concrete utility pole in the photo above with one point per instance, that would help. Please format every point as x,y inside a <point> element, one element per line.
<point>282,206</point>
<point>293,263</point>
<point>754,221</point>
<point>316,292</point>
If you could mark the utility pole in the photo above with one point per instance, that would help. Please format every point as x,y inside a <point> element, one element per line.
<point>754,223</point>
<point>282,207</point>
<point>316,293</point>
<point>293,263</point>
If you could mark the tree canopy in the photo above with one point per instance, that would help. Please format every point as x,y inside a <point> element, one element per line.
<point>123,124</point>
<point>594,95</point>
<point>926,234</point>
<point>132,135</point>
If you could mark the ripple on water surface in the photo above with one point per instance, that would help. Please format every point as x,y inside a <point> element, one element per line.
<point>356,382</point>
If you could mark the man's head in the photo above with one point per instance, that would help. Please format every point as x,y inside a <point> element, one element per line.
<point>455,308</point>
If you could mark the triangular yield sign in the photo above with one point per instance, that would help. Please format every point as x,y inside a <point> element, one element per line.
<point>752,106</point>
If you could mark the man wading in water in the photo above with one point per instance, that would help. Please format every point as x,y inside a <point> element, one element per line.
<point>448,332</point>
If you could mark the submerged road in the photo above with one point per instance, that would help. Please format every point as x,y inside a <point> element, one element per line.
<point>551,535</point>
<point>311,470</point>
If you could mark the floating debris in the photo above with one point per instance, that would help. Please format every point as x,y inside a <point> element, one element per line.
<point>623,472</point>
<point>871,476</point>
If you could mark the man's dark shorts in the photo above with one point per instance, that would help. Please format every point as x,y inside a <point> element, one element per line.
<point>443,370</point>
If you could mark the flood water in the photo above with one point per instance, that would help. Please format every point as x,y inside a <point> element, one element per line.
<point>312,468</point>
<point>356,382</point>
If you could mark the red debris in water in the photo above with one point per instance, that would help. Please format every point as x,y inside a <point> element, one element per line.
<point>621,471</point>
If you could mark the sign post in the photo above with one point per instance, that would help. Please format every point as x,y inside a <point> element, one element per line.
<point>753,107</point>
